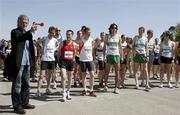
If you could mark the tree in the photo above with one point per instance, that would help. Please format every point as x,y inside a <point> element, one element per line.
<point>177,35</point>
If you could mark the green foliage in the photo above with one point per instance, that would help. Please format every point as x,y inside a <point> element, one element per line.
<point>177,36</point>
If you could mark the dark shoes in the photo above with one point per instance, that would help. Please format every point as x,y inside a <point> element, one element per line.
<point>20,110</point>
<point>29,106</point>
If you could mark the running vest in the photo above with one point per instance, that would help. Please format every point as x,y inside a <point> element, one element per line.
<point>113,45</point>
<point>167,49</point>
<point>140,44</point>
<point>100,51</point>
<point>49,47</point>
<point>156,51</point>
<point>156,48</point>
<point>67,51</point>
<point>124,45</point>
<point>150,44</point>
<point>86,50</point>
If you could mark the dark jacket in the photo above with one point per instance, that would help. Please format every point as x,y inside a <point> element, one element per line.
<point>18,38</point>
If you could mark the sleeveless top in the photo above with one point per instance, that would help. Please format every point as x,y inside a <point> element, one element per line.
<point>113,45</point>
<point>67,51</point>
<point>140,44</point>
<point>156,51</point>
<point>49,47</point>
<point>167,50</point>
<point>100,51</point>
<point>150,44</point>
<point>86,50</point>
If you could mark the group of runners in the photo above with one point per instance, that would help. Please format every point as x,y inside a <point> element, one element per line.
<point>143,56</point>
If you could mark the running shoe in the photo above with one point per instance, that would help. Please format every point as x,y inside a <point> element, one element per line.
<point>64,96</point>
<point>161,85</point>
<point>84,93</point>
<point>105,88</point>
<point>147,88</point>
<point>48,92</point>
<point>68,96</point>
<point>75,84</point>
<point>92,93</point>
<point>137,87</point>
<point>170,85</point>
<point>143,84</point>
<point>38,94</point>
<point>177,85</point>
<point>116,91</point>
<point>55,85</point>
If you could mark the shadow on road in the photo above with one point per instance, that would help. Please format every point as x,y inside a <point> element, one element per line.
<point>6,109</point>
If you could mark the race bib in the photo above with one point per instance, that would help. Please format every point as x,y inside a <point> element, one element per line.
<point>68,54</point>
<point>87,50</point>
<point>50,50</point>
<point>113,50</point>
<point>141,50</point>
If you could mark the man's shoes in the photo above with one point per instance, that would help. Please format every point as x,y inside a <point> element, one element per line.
<point>20,110</point>
<point>28,106</point>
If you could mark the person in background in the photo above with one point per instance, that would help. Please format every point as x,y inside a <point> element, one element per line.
<point>167,51</point>
<point>114,55</point>
<point>100,57</point>
<point>86,45</point>
<point>155,68</point>
<point>140,59</point>
<point>67,50</point>
<point>49,46</point>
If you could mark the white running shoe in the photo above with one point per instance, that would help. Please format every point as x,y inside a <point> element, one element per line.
<point>105,88</point>
<point>177,85</point>
<point>55,85</point>
<point>68,96</point>
<point>116,90</point>
<point>170,85</point>
<point>64,96</point>
<point>161,85</point>
<point>38,94</point>
<point>137,86</point>
<point>147,88</point>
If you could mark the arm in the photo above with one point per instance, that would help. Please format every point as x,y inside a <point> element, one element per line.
<point>173,50</point>
<point>147,50</point>
<point>105,48</point>
<point>175,58</point>
<point>17,36</point>
<point>121,50</point>
<point>57,45</point>
<point>60,46</point>
<point>93,50</point>
<point>160,51</point>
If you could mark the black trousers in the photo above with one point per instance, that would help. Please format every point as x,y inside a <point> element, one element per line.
<point>21,87</point>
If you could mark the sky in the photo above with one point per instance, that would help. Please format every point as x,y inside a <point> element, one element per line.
<point>158,15</point>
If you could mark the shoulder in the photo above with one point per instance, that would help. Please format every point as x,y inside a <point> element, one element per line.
<point>74,43</point>
<point>15,31</point>
<point>135,38</point>
<point>173,43</point>
<point>44,37</point>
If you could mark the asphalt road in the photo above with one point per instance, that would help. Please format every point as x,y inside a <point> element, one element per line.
<point>158,101</point>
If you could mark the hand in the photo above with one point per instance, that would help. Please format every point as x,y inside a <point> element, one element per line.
<point>147,59</point>
<point>95,61</point>
<point>33,28</point>
<point>159,61</point>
